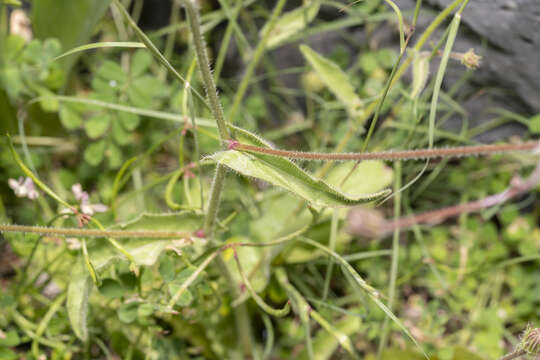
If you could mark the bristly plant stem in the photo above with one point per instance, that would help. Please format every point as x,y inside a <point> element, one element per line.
<point>78,232</point>
<point>395,259</point>
<point>217,111</point>
<point>241,316</point>
<point>204,67</point>
<point>451,152</point>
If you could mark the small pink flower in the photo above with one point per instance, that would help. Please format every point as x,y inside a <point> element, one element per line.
<point>83,198</point>
<point>24,187</point>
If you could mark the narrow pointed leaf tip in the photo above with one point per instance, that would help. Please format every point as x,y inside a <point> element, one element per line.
<point>335,80</point>
<point>286,174</point>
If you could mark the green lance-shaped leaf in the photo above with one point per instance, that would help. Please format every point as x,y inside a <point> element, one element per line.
<point>420,73</point>
<point>335,80</point>
<point>78,292</point>
<point>286,174</point>
<point>330,336</point>
<point>291,23</point>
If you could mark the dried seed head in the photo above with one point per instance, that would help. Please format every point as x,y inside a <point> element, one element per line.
<point>366,222</point>
<point>471,60</point>
<point>531,341</point>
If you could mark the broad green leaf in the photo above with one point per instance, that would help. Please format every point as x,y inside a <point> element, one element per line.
<point>140,63</point>
<point>114,154</point>
<point>335,80</point>
<point>145,310</point>
<point>534,124</point>
<point>70,119</point>
<point>111,71</point>
<point>48,104</point>
<point>97,125</point>
<point>129,121</point>
<point>127,313</point>
<point>181,221</point>
<point>167,269</point>
<point>185,299</point>
<point>51,48</point>
<point>368,177</point>
<point>111,288</point>
<point>71,22</point>
<point>144,90</point>
<point>291,23</point>
<point>94,152</point>
<point>120,135</point>
<point>79,289</point>
<point>7,354</point>
<point>286,174</point>
<point>11,339</point>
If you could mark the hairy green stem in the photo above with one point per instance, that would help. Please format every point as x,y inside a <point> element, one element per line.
<point>76,232</point>
<point>450,152</point>
<point>395,258</point>
<point>217,111</point>
<point>204,68</point>
<point>241,316</point>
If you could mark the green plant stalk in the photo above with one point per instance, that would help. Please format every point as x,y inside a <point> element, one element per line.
<point>227,37</point>
<point>372,293</point>
<point>267,308</point>
<point>395,257</point>
<point>55,306</point>
<point>332,246</point>
<point>217,111</point>
<point>454,26</point>
<point>402,44</point>
<point>416,12</point>
<point>259,51</point>
<point>88,263</point>
<point>193,277</point>
<point>302,307</point>
<point>243,325</point>
<point>269,335</point>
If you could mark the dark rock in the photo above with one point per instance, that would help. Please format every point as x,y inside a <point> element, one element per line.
<point>512,56</point>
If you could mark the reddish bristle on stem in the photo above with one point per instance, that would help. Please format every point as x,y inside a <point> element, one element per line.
<point>392,155</point>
